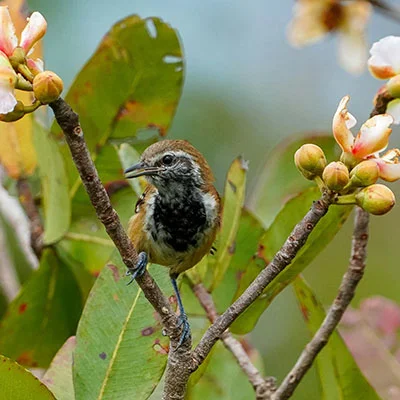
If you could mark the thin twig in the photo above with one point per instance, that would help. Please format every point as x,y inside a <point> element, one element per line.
<point>32,212</point>
<point>346,293</point>
<point>262,387</point>
<point>281,260</point>
<point>180,360</point>
<point>386,9</point>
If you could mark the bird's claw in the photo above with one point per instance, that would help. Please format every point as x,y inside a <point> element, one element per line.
<point>184,323</point>
<point>139,269</point>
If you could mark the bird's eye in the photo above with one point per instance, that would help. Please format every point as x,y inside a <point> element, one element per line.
<point>167,159</point>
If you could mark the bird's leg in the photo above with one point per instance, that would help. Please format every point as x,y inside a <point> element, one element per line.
<point>183,320</point>
<point>140,267</point>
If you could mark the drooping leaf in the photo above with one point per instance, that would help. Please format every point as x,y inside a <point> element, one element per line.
<point>120,350</point>
<point>131,85</point>
<point>280,180</point>
<point>58,378</point>
<point>43,315</point>
<point>232,207</point>
<point>17,383</point>
<point>129,156</point>
<point>339,374</point>
<point>271,242</point>
<point>56,201</point>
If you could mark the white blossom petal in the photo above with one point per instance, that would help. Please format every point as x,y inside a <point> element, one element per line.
<point>393,108</point>
<point>352,51</point>
<point>8,79</point>
<point>389,172</point>
<point>373,136</point>
<point>8,39</point>
<point>384,62</point>
<point>33,31</point>
<point>343,121</point>
<point>7,99</point>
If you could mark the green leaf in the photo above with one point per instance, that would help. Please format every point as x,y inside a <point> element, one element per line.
<point>280,180</point>
<point>129,156</point>
<point>339,374</point>
<point>129,89</point>
<point>223,379</point>
<point>271,242</point>
<point>56,202</point>
<point>120,351</point>
<point>232,208</point>
<point>17,383</point>
<point>58,378</point>
<point>43,315</point>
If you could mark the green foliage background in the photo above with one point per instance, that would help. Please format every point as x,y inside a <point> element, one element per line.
<point>245,91</point>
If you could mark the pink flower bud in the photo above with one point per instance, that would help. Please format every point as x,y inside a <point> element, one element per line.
<point>336,176</point>
<point>310,160</point>
<point>47,87</point>
<point>376,199</point>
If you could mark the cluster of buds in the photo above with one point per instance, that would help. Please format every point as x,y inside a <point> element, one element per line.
<point>19,71</point>
<point>361,164</point>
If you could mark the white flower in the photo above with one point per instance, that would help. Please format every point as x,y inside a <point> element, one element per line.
<point>8,79</point>
<point>384,62</point>
<point>313,19</point>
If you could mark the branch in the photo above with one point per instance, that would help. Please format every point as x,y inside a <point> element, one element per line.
<point>386,9</point>
<point>346,293</point>
<point>281,260</point>
<point>262,387</point>
<point>32,212</point>
<point>180,359</point>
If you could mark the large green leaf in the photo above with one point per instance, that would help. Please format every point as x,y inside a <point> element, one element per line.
<point>44,314</point>
<point>271,242</point>
<point>223,379</point>
<point>280,180</point>
<point>16,383</point>
<point>56,201</point>
<point>339,374</point>
<point>120,351</point>
<point>58,378</point>
<point>232,207</point>
<point>131,84</point>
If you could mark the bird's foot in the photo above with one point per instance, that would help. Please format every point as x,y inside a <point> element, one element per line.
<point>139,269</point>
<point>185,333</point>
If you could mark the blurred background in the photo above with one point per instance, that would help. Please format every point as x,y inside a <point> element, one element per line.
<point>246,90</point>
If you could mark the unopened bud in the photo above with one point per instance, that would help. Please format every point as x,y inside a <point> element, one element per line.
<point>376,199</point>
<point>47,87</point>
<point>393,86</point>
<point>364,174</point>
<point>310,160</point>
<point>336,176</point>
<point>14,115</point>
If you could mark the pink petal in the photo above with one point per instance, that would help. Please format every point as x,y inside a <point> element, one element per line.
<point>373,136</point>
<point>33,31</point>
<point>8,40</point>
<point>387,171</point>
<point>36,66</point>
<point>342,122</point>
<point>384,62</point>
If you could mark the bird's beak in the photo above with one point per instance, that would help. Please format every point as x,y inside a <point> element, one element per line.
<point>139,169</point>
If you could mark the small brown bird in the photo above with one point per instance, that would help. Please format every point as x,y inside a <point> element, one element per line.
<point>177,216</point>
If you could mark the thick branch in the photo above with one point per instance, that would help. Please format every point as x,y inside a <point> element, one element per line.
<point>346,293</point>
<point>262,387</point>
<point>28,203</point>
<point>69,123</point>
<point>281,260</point>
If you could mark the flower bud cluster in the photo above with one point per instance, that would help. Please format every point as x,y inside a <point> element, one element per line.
<point>354,184</point>
<point>19,71</point>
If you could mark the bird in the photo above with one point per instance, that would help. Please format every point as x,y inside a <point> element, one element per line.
<point>178,215</point>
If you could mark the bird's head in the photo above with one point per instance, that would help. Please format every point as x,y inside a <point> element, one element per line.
<point>172,162</point>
